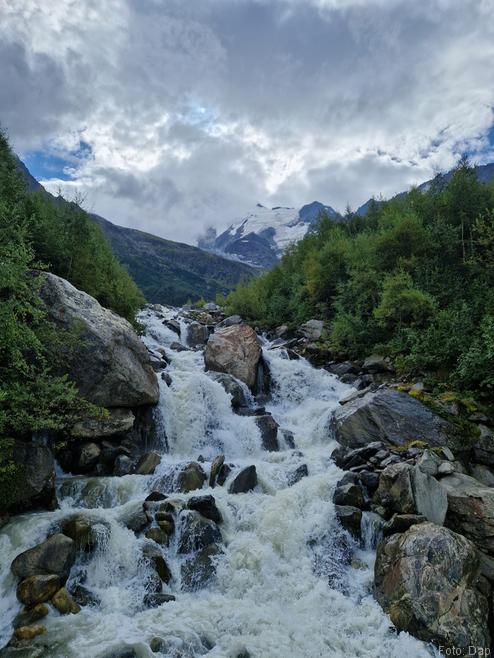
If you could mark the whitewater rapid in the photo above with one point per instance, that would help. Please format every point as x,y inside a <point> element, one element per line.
<point>282,588</point>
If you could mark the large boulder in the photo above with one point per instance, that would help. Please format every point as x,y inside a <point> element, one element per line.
<point>426,580</point>
<point>396,418</point>
<point>268,428</point>
<point>236,351</point>
<point>197,334</point>
<point>32,484</point>
<point>37,589</point>
<point>112,422</point>
<point>110,365</point>
<point>311,330</point>
<point>54,556</point>
<point>405,489</point>
<point>470,510</point>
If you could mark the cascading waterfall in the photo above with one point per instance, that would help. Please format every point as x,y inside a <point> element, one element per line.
<point>283,587</point>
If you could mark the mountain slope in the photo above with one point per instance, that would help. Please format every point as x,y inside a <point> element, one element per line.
<point>167,272</point>
<point>485,174</point>
<point>170,272</point>
<point>261,237</point>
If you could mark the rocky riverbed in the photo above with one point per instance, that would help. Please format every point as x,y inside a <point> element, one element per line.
<point>232,502</point>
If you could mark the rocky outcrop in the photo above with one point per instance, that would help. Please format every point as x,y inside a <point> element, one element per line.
<point>54,556</point>
<point>236,351</point>
<point>470,510</point>
<point>426,580</point>
<point>34,483</point>
<point>110,365</point>
<point>395,418</point>
<point>112,421</point>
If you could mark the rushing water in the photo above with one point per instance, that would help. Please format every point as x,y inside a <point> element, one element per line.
<point>283,588</point>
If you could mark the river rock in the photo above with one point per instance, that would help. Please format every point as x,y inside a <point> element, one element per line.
<point>37,589</point>
<point>158,535</point>
<point>269,432</point>
<point>54,556</point>
<point>470,510</point>
<point>113,421</point>
<point>79,528</point>
<point>89,454</point>
<point>215,469</point>
<point>155,599</point>
<point>404,489</point>
<point>28,616</point>
<point>34,477</point>
<point>350,518</point>
<point>395,418</point>
<point>197,334</point>
<point>349,495</point>
<point>137,519</point>
<point>110,365</point>
<point>123,465</point>
<point>191,477</point>
<point>64,602</point>
<point>425,579</point>
<point>83,596</point>
<point>245,481</point>
<point>198,569</point>
<point>401,523</point>
<point>311,330</point>
<point>235,388</point>
<point>173,325</point>
<point>236,351</point>
<point>29,632</point>
<point>155,557</point>
<point>206,506</point>
<point>147,463</point>
<point>230,321</point>
<point>298,474</point>
<point>196,532</point>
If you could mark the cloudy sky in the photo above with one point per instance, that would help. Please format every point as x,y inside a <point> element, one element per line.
<point>171,115</point>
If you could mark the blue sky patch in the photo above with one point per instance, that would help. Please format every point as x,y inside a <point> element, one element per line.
<point>45,164</point>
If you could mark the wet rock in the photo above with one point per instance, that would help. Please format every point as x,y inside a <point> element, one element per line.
<point>269,432</point>
<point>215,469</point>
<point>28,616</point>
<point>343,368</point>
<point>401,523</point>
<point>173,325</point>
<point>120,652</point>
<point>64,602</point>
<point>34,484</point>
<point>165,522</point>
<point>198,570</point>
<point>54,556</point>
<point>89,455</point>
<point>235,388</point>
<point>83,596</point>
<point>37,589</point>
<point>350,518</point>
<point>114,421</point>
<point>196,532</point>
<point>136,520</point>
<point>298,474</point>
<point>311,330</point>
<point>158,535</point>
<point>123,465</point>
<point>155,557</point>
<point>206,506</point>
<point>245,481</point>
<point>425,580</point>
<point>178,347</point>
<point>223,474</point>
<point>147,463</point>
<point>29,632</point>
<point>110,364</point>
<point>197,334</point>
<point>349,495</point>
<point>167,378</point>
<point>191,477</point>
<point>155,496</point>
<point>395,418</point>
<point>288,438</point>
<point>369,480</point>
<point>377,363</point>
<point>236,351</point>
<point>155,599</point>
<point>470,510</point>
<point>79,528</point>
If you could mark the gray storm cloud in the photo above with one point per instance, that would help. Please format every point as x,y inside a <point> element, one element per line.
<point>196,111</point>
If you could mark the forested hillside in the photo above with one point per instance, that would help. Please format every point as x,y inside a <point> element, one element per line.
<point>414,278</point>
<point>37,234</point>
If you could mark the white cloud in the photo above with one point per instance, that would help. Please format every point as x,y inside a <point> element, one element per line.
<point>195,111</point>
